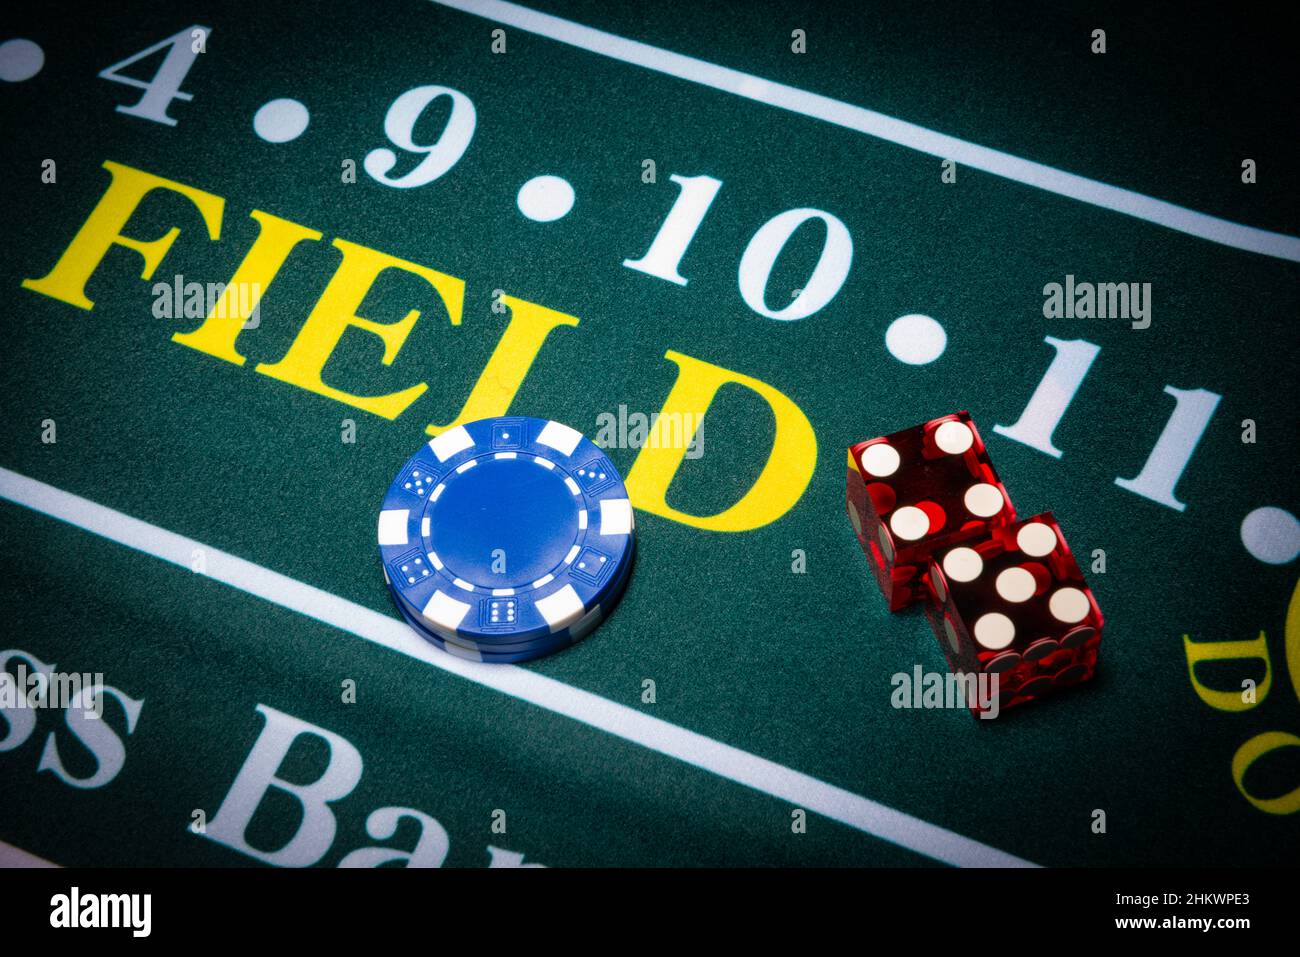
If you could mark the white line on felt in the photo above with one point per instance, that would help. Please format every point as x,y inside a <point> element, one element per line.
<point>768,777</point>
<point>11,857</point>
<point>888,128</point>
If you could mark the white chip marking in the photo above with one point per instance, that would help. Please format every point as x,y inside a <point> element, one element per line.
<point>544,462</point>
<point>1068,605</point>
<point>615,516</point>
<point>460,651</point>
<point>461,583</point>
<point>506,455</point>
<point>445,612</point>
<point>392,526</point>
<point>435,560</point>
<point>544,580</point>
<point>585,625</point>
<point>909,523</point>
<point>560,437</point>
<point>994,631</point>
<point>983,500</point>
<point>1036,539</point>
<point>502,592</point>
<point>561,608</point>
<point>954,437</point>
<point>573,486</point>
<point>881,460</point>
<point>573,553</point>
<point>466,466</point>
<point>1015,585</point>
<point>963,564</point>
<point>437,492</point>
<point>424,527</point>
<point>451,442</point>
<point>582,518</point>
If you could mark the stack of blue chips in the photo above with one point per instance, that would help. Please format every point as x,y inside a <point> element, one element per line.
<point>506,539</point>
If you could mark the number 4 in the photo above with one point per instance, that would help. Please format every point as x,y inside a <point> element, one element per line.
<point>166,83</point>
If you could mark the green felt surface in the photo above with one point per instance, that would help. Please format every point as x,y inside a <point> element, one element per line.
<point>792,667</point>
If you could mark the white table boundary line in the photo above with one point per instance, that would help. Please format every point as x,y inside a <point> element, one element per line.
<point>900,132</point>
<point>15,857</point>
<point>768,777</point>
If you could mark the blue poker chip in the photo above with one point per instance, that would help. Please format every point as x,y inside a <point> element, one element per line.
<point>485,653</point>
<point>519,651</point>
<point>507,533</point>
<point>471,653</point>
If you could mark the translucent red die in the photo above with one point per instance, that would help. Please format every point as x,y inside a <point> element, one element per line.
<point>919,491</point>
<point>1015,604</point>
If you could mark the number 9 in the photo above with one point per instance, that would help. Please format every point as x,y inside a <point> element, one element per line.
<point>441,155</point>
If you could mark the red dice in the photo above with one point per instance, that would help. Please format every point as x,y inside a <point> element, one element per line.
<point>1015,605</point>
<point>918,491</point>
<point>1006,598</point>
